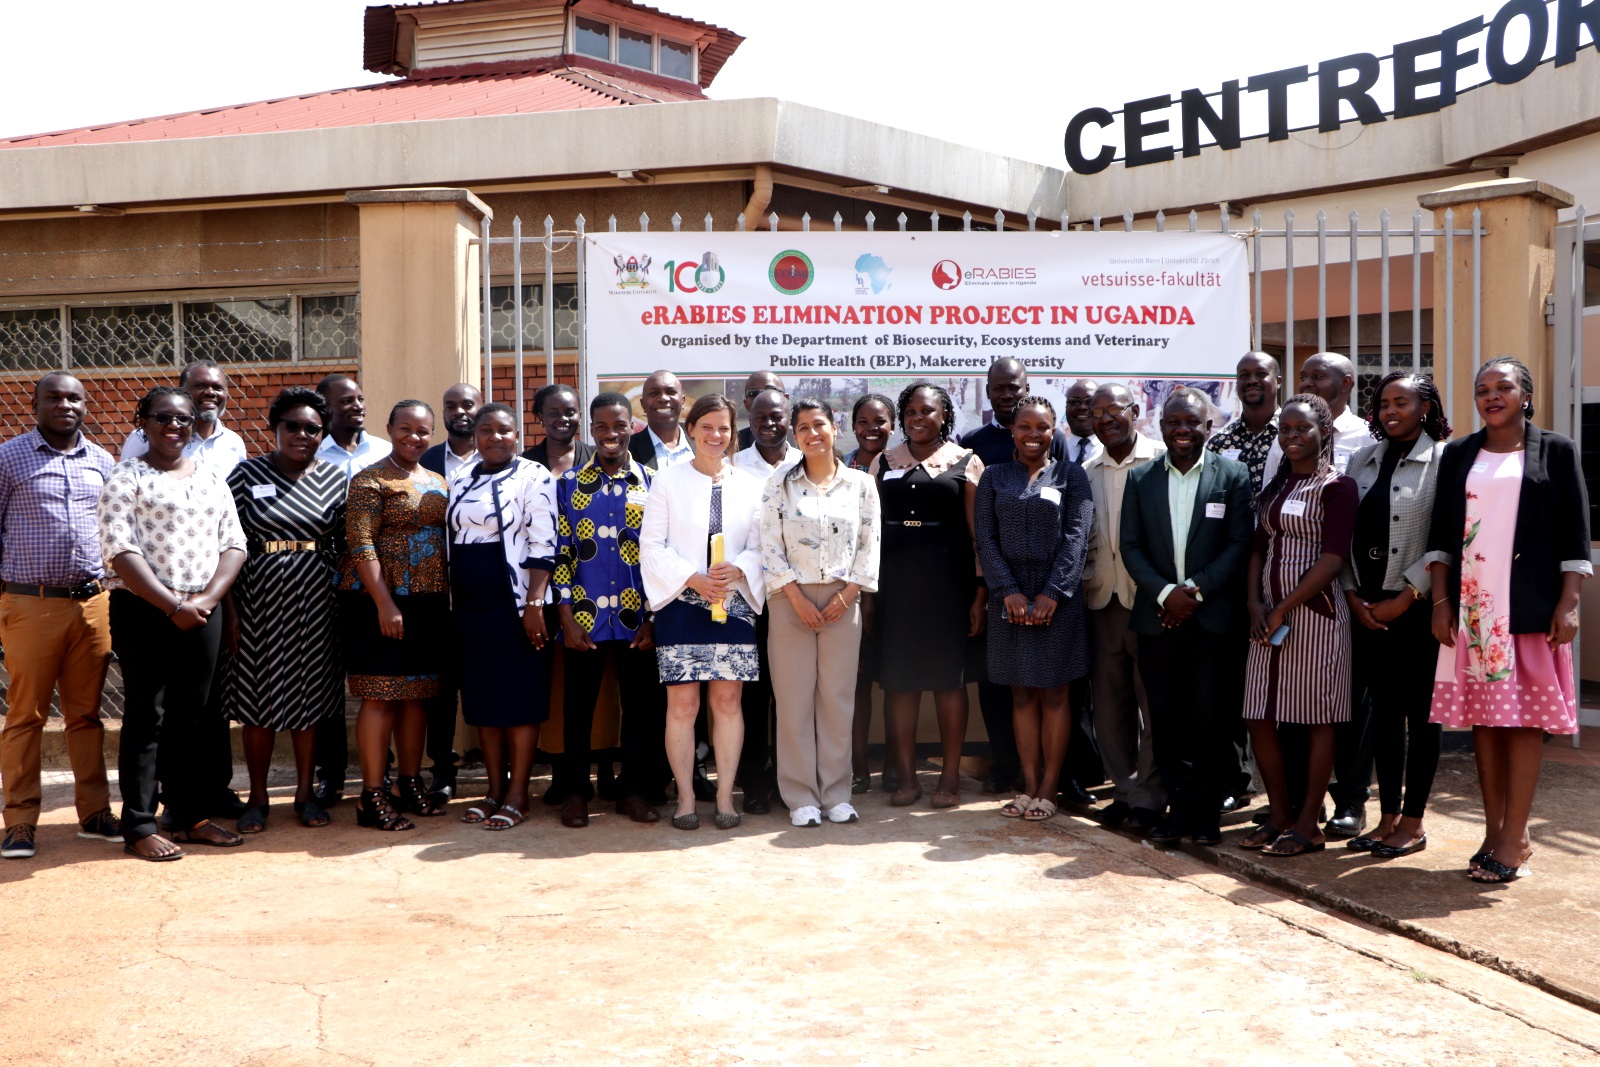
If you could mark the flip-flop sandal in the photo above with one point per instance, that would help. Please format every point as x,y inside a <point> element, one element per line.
<point>1040,810</point>
<point>1294,838</point>
<point>1261,837</point>
<point>481,811</point>
<point>504,819</point>
<point>176,854</point>
<point>311,814</point>
<point>1017,807</point>
<point>252,821</point>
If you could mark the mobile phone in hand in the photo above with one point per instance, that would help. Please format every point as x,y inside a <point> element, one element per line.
<point>1278,635</point>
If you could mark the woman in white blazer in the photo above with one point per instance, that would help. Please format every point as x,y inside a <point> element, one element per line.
<point>688,503</point>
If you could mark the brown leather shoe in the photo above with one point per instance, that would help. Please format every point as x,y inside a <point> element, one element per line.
<point>638,809</point>
<point>575,811</point>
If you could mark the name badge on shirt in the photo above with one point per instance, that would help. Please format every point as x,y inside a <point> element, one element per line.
<point>890,476</point>
<point>1291,507</point>
<point>1341,460</point>
<point>1479,467</point>
<point>638,496</point>
<point>262,492</point>
<point>1231,453</point>
<point>1050,493</point>
<point>1217,511</point>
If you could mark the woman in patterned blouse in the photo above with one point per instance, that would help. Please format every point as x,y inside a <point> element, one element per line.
<point>170,534</point>
<point>396,614</point>
<point>819,545</point>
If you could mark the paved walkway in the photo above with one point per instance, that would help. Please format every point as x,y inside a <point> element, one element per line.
<point>930,937</point>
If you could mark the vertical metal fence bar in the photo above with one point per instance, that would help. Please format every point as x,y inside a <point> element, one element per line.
<point>518,315</point>
<point>1227,223</point>
<point>677,222</point>
<point>999,221</point>
<point>1127,222</point>
<point>1355,303</point>
<point>1033,220</point>
<point>1161,222</point>
<point>1194,221</point>
<point>772,222</point>
<point>1383,325</point>
<point>1066,220</point>
<point>1097,222</point>
<point>708,221</point>
<point>644,222</point>
<point>488,303</point>
<point>902,220</point>
<point>1579,298</point>
<point>548,305</point>
<point>1255,245</point>
<point>611,223</point>
<point>1449,307</point>
<point>739,222</point>
<point>1416,292</point>
<point>583,309</point>
<point>1288,292</point>
<point>871,221</point>
<point>1477,302</point>
<point>838,222</point>
<point>966,221</point>
<point>1322,282</point>
<point>805,222</point>
<point>933,221</point>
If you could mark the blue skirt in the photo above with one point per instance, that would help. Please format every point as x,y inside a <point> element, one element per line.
<point>505,681</point>
<point>691,647</point>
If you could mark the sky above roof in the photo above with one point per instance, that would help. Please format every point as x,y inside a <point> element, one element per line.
<point>1005,75</point>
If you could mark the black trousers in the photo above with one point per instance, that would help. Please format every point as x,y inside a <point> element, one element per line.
<point>166,677</point>
<point>1186,672</point>
<point>644,721</point>
<point>442,710</point>
<point>1395,668</point>
<point>1230,679</point>
<point>1083,759</point>
<point>1352,754</point>
<point>756,773</point>
<point>995,703</point>
<point>332,751</point>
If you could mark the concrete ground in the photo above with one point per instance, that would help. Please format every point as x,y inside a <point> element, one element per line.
<point>921,936</point>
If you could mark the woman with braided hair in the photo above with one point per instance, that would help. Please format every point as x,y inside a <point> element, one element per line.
<point>1299,667</point>
<point>929,602</point>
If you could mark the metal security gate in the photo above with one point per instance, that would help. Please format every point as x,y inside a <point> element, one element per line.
<point>1575,403</point>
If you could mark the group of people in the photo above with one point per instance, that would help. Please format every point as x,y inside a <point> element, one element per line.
<point>1306,591</point>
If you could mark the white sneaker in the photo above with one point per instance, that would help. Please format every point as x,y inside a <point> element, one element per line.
<point>806,816</point>
<point>842,813</point>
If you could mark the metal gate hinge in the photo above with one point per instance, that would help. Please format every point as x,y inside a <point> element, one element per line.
<point>1550,310</point>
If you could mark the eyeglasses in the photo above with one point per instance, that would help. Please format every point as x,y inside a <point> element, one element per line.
<point>295,426</point>
<point>1114,410</point>
<point>172,418</point>
<point>751,394</point>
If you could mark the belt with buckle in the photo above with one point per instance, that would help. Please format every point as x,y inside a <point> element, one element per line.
<point>1373,553</point>
<point>913,523</point>
<point>289,546</point>
<point>83,591</point>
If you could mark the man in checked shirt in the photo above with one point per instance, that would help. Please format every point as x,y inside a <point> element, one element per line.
<point>54,624</point>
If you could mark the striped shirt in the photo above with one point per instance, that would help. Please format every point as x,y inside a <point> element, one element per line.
<point>48,531</point>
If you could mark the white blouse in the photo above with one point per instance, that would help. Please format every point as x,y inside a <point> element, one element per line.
<point>515,506</point>
<point>181,526</point>
<point>814,536</point>
<point>677,524</point>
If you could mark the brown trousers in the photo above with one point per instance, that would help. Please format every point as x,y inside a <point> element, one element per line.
<point>814,681</point>
<point>54,644</point>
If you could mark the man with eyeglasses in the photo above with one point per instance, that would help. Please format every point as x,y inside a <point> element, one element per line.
<point>760,382</point>
<point>1121,710</point>
<point>55,622</point>
<point>212,444</point>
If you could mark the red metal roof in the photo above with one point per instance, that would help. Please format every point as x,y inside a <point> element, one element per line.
<point>558,84</point>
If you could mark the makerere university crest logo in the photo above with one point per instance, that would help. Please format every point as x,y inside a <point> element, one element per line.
<point>633,272</point>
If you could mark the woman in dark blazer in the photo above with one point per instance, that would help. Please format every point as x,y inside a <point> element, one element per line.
<point>1507,549</point>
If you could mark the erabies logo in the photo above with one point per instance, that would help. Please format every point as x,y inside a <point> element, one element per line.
<point>947,274</point>
<point>791,272</point>
<point>704,275</point>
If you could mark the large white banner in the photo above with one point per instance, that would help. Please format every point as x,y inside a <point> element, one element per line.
<point>840,315</point>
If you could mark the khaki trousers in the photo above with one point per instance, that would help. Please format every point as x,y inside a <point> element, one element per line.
<point>814,681</point>
<point>52,644</point>
<point>1121,711</point>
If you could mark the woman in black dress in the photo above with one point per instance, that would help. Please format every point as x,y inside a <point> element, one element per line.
<point>285,672</point>
<point>872,419</point>
<point>929,603</point>
<point>1033,517</point>
<point>502,527</point>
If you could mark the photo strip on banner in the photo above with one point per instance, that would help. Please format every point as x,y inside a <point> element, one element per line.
<point>841,315</point>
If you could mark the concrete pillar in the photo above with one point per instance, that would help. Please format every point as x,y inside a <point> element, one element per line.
<point>421,295</point>
<point>1519,217</point>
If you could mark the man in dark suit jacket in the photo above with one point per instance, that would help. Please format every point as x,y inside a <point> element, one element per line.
<point>461,403</point>
<point>662,398</point>
<point>1189,610</point>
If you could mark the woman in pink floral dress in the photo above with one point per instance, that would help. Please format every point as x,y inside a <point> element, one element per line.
<point>1508,547</point>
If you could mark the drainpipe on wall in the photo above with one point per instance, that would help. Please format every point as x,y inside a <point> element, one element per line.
<point>760,196</point>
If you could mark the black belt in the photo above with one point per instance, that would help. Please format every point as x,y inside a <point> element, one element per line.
<point>91,588</point>
<point>911,523</point>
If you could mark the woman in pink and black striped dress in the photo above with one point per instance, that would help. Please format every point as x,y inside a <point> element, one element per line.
<point>1307,517</point>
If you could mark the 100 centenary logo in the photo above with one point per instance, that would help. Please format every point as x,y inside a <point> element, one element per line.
<point>703,275</point>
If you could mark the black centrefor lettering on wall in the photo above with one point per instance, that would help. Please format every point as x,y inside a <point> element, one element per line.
<point>1276,85</point>
<point>1197,111</point>
<point>1501,68</point>
<point>1408,78</point>
<point>1357,93</point>
<point>1571,17</point>
<point>1135,128</point>
<point>1079,162</point>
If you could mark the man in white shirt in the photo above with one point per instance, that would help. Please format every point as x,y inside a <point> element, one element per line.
<point>1082,445</point>
<point>1121,711</point>
<point>457,451</point>
<point>770,451</point>
<point>348,446</point>
<point>1332,377</point>
<point>212,444</point>
<point>754,386</point>
<point>663,443</point>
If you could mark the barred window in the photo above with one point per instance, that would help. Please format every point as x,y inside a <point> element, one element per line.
<point>1369,372</point>
<point>128,335</point>
<point>30,339</point>
<point>502,320</point>
<point>239,331</point>
<point>329,328</point>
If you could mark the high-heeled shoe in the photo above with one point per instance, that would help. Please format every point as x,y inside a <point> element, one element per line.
<point>415,800</point>
<point>376,810</point>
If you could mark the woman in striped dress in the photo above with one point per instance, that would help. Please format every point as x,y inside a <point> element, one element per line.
<point>1306,519</point>
<point>285,672</point>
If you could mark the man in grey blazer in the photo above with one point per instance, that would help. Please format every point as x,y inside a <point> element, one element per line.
<point>1186,533</point>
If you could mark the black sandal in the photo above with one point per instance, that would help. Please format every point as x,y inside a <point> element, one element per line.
<point>414,800</point>
<point>253,821</point>
<point>374,809</point>
<point>311,814</point>
<point>1298,845</point>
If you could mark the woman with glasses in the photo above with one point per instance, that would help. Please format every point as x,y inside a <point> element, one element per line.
<point>285,672</point>
<point>170,534</point>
